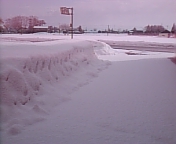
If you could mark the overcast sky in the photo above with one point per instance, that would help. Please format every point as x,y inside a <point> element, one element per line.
<point>125,14</point>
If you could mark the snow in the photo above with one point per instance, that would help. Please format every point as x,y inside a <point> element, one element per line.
<point>38,27</point>
<point>58,90</point>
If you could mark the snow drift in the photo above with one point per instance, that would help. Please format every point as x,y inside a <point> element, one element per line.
<point>30,72</point>
<point>47,80</point>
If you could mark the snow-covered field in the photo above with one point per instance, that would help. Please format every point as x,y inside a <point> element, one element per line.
<point>58,90</point>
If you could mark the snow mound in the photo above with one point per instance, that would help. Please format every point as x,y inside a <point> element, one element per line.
<point>33,83</point>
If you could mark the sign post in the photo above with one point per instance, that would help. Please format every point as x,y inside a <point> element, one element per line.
<point>65,11</point>
<point>71,23</point>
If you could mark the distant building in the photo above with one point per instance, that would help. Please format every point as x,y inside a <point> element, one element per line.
<point>165,33</point>
<point>136,32</point>
<point>40,29</point>
<point>130,32</point>
<point>77,30</point>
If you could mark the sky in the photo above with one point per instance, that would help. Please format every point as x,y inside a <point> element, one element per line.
<point>91,14</point>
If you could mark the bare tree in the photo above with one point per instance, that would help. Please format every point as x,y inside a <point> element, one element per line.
<point>173,30</point>
<point>25,21</point>
<point>21,23</point>
<point>41,22</point>
<point>154,29</point>
<point>134,29</point>
<point>17,23</point>
<point>13,24</point>
<point>1,23</point>
<point>34,21</point>
<point>81,30</point>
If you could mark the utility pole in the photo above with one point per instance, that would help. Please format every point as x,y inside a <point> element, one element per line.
<point>108,30</point>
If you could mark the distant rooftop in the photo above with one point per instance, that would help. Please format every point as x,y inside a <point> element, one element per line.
<point>40,26</point>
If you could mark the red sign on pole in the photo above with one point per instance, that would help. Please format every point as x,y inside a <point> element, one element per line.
<point>64,11</point>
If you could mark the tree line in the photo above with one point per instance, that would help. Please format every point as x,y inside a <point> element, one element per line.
<point>154,29</point>
<point>24,24</point>
<point>20,24</point>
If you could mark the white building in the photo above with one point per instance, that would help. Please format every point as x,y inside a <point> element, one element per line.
<point>165,33</point>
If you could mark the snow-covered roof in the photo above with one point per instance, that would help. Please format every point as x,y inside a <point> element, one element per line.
<point>1,25</point>
<point>165,31</point>
<point>41,27</point>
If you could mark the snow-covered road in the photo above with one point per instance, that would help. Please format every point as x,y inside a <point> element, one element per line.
<point>142,46</point>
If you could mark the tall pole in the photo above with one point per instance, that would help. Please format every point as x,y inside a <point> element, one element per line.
<point>71,23</point>
<point>66,11</point>
<point>108,30</point>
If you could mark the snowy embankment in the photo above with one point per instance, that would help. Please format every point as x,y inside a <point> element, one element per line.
<point>34,77</point>
<point>47,80</point>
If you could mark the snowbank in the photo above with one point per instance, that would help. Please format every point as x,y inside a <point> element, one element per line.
<point>39,72</point>
<point>31,73</point>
